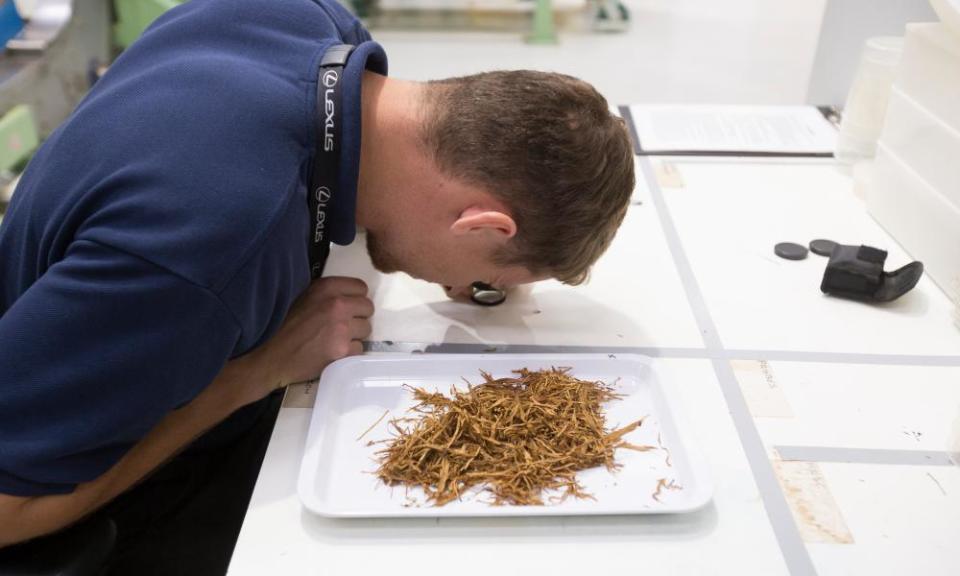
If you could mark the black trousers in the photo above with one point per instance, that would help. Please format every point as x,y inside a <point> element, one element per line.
<point>186,516</point>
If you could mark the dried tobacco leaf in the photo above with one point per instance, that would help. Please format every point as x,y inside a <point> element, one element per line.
<point>514,437</point>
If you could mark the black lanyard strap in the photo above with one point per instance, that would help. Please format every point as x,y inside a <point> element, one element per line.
<point>325,176</point>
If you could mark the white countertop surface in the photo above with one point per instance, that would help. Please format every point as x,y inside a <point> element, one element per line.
<point>819,376</point>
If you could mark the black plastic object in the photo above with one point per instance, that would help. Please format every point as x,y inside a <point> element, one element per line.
<point>790,251</point>
<point>856,272</point>
<point>81,550</point>
<point>486,295</point>
<point>822,247</point>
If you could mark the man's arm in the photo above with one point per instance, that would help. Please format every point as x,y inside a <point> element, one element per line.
<point>28,517</point>
<point>327,322</point>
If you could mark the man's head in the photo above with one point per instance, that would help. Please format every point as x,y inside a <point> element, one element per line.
<point>511,177</point>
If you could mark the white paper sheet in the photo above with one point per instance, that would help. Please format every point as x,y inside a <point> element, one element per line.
<point>733,129</point>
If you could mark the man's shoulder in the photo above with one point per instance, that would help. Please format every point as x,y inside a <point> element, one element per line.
<point>314,19</point>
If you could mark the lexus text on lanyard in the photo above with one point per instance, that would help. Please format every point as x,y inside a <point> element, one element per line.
<point>324,178</point>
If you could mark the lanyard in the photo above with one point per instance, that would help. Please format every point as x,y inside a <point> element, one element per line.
<point>325,176</point>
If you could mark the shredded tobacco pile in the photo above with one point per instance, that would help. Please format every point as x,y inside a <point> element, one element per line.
<point>513,436</point>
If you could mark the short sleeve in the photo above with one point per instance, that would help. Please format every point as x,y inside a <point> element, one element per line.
<point>92,356</point>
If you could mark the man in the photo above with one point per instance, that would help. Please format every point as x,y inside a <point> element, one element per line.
<point>155,282</point>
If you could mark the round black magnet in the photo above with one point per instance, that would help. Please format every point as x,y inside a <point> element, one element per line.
<point>822,247</point>
<point>790,251</point>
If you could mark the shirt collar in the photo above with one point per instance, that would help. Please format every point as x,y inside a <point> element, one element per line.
<point>343,208</point>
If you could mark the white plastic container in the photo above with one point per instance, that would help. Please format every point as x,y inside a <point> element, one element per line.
<point>866,103</point>
<point>921,219</point>
<point>930,70</point>
<point>925,143</point>
<point>949,13</point>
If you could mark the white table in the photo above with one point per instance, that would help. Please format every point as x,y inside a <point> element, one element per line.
<point>825,422</point>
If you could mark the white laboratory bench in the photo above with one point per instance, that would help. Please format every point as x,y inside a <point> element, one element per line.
<point>825,423</point>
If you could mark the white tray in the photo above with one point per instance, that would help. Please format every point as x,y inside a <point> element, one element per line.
<point>337,471</point>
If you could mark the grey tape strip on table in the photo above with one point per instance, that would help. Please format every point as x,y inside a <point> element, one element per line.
<point>665,352</point>
<point>864,456</point>
<point>475,348</point>
<point>843,357</point>
<point>794,551</point>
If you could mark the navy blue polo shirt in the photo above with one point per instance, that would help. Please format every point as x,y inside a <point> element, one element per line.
<point>162,229</point>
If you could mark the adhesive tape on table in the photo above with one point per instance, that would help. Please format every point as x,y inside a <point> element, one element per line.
<point>954,447</point>
<point>955,296</point>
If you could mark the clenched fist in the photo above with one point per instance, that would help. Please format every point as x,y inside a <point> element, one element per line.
<point>328,322</point>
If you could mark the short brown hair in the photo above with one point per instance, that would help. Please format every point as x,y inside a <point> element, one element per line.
<point>545,144</point>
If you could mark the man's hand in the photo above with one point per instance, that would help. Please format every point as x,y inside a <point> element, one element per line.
<point>328,322</point>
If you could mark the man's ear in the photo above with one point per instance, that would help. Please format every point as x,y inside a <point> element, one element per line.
<point>476,219</point>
